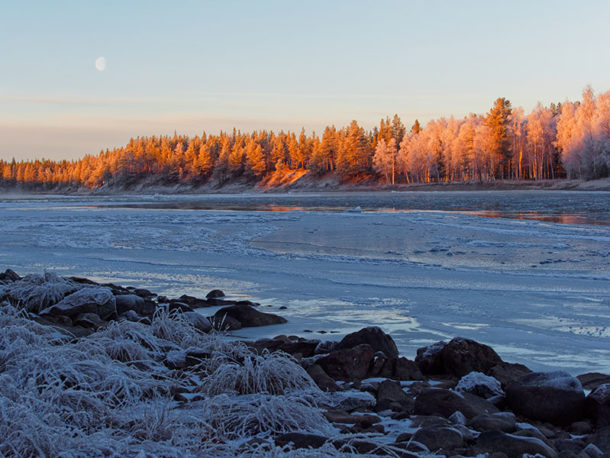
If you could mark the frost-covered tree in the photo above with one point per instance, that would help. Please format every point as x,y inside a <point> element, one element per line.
<point>384,160</point>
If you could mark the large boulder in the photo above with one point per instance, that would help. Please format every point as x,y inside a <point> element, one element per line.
<point>126,302</point>
<point>592,380</point>
<point>373,336</point>
<point>597,405</point>
<point>96,300</point>
<point>436,401</point>
<point>511,445</point>
<point>247,316</point>
<point>602,439</point>
<point>507,373</point>
<point>554,397</point>
<point>348,364</point>
<point>198,321</point>
<point>456,358</point>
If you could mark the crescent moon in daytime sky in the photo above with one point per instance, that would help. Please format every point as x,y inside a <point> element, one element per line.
<point>100,63</point>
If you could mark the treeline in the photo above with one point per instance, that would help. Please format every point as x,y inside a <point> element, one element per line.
<point>568,139</point>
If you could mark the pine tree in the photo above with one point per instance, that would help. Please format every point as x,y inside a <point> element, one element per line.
<point>498,121</point>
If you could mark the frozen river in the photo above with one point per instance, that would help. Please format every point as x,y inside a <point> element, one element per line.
<point>424,266</point>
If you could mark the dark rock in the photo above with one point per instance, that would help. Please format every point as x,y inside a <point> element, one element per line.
<point>507,373</point>
<point>300,440</point>
<point>349,364</point>
<point>568,447</point>
<point>9,276</point>
<point>592,380</point>
<point>321,378</point>
<point>341,416</point>
<point>405,369</point>
<point>89,320</point>
<point>179,306</point>
<point>436,438</point>
<point>458,357</point>
<point>191,301</point>
<point>83,281</point>
<point>283,307</point>
<point>513,446</point>
<point>247,316</point>
<point>126,302</point>
<point>390,395</point>
<point>592,451</point>
<point>214,294</point>
<point>87,300</point>
<point>434,401</point>
<point>226,323</point>
<point>554,397</point>
<point>501,421</point>
<point>373,336</point>
<point>162,299</point>
<point>324,347</point>
<point>143,293</point>
<point>597,405</point>
<point>294,346</point>
<point>581,427</point>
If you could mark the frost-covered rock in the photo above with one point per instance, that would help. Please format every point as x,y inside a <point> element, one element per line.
<point>100,301</point>
<point>89,320</point>
<point>351,400</point>
<point>480,384</point>
<point>555,397</point>
<point>198,321</point>
<point>127,302</point>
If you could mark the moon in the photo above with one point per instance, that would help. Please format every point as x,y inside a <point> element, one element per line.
<point>100,63</point>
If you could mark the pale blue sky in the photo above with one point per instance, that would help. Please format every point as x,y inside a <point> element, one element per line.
<point>209,65</point>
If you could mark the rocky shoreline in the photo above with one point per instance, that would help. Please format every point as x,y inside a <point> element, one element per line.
<point>457,398</point>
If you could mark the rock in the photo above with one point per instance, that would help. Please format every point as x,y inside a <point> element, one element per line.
<point>513,446</point>
<point>9,276</point>
<point>507,373</point>
<point>191,301</point>
<point>597,405</point>
<point>321,378</point>
<point>325,347</point>
<point>601,439</point>
<point>457,418</point>
<point>593,451</point>
<point>581,428</point>
<point>592,380</point>
<point>144,293</point>
<point>247,316</point>
<point>404,369</point>
<point>180,307</point>
<point>554,397</point>
<point>87,300</point>
<point>568,447</point>
<point>227,323</point>
<point>373,336</point>
<point>390,395</point>
<point>434,401</point>
<point>214,294</point>
<point>126,302</point>
<point>351,400</point>
<point>89,320</point>
<point>458,357</point>
<point>198,321</point>
<point>479,384</point>
<point>349,364</point>
<point>436,438</point>
<point>501,421</point>
<point>341,416</point>
<point>300,440</point>
<point>294,346</point>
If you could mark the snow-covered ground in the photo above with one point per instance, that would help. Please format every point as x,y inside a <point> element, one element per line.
<point>537,291</point>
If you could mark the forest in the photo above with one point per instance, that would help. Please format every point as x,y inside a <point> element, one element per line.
<point>563,140</point>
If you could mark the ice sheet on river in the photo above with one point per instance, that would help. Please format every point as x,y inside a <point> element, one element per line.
<point>538,292</point>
